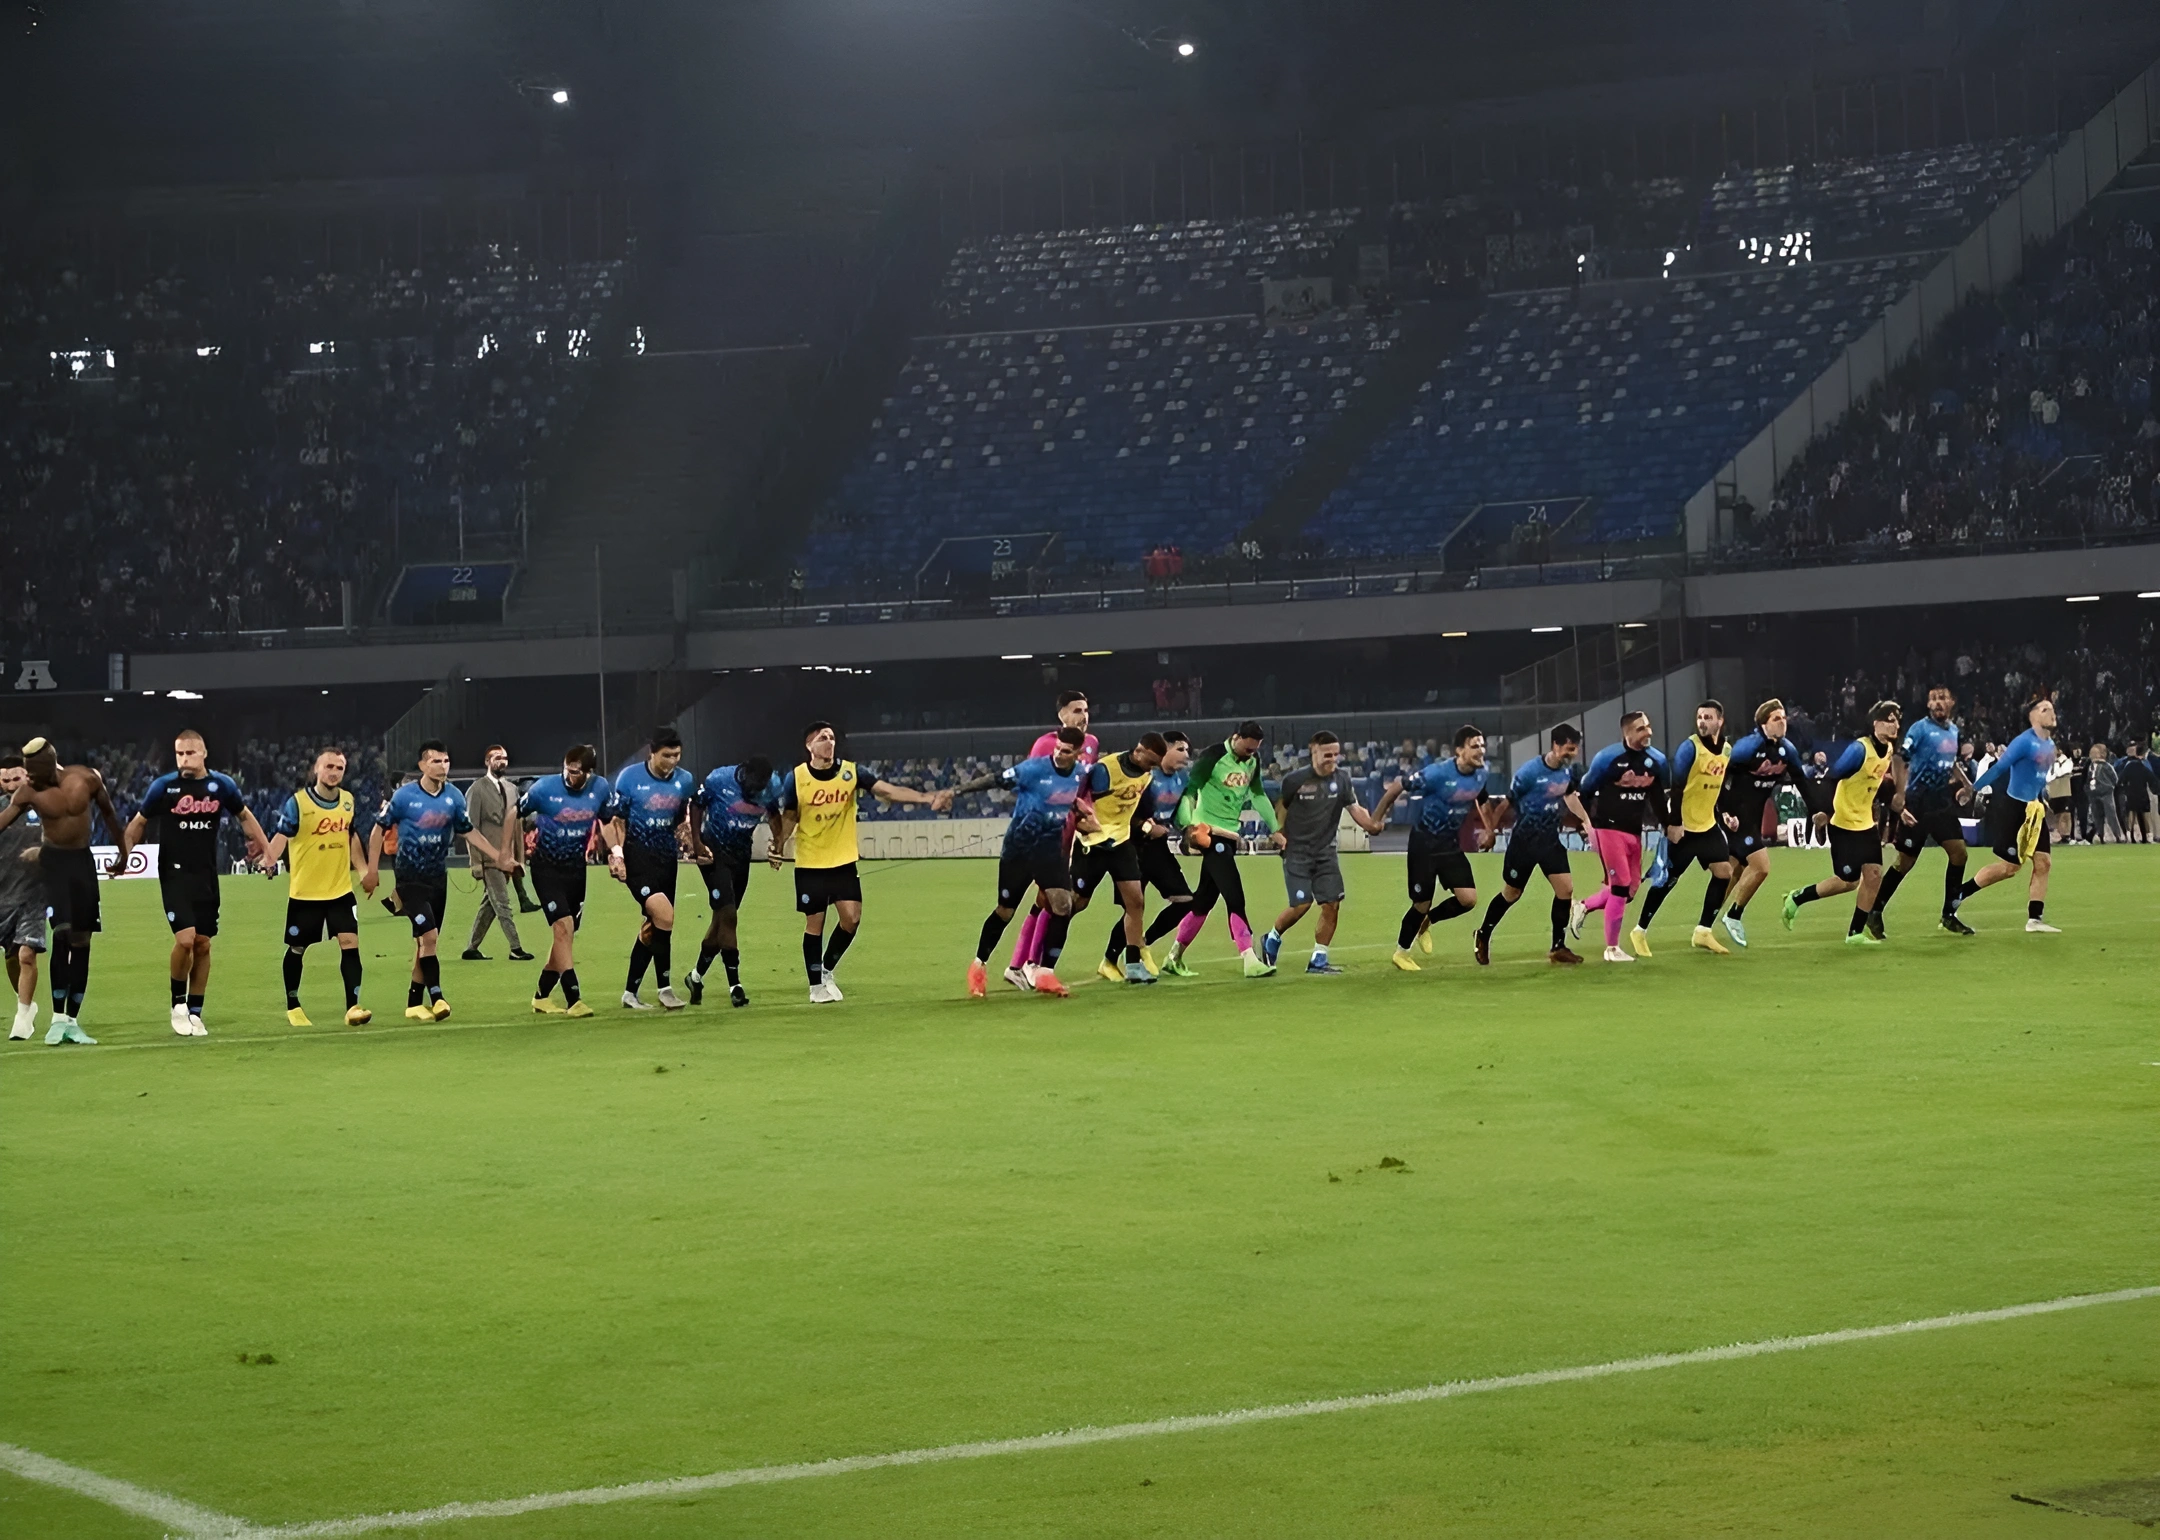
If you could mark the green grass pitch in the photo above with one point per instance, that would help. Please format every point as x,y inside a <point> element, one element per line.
<point>508,1255</point>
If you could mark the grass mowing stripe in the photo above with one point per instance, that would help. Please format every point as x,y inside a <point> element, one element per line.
<point>197,1523</point>
<point>590,1497</point>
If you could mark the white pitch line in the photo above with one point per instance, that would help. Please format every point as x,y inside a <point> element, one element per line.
<point>762,1475</point>
<point>173,1512</point>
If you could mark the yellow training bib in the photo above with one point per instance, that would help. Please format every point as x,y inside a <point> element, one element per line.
<point>1853,804</point>
<point>1114,808</point>
<point>825,816</point>
<point>1706,778</point>
<point>319,857</point>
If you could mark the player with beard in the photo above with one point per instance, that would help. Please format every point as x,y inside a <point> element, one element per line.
<point>1548,785</point>
<point>1625,783</point>
<point>1046,800</point>
<point>63,797</point>
<point>1072,712</point>
<point>566,809</point>
<point>1155,835</point>
<point>1225,783</point>
<point>652,798</point>
<point>1934,788</point>
<point>1761,762</point>
<point>1452,791</point>
<point>187,804</point>
<point>429,817</point>
<point>1111,792</point>
<point>1695,831</point>
<point>736,799</point>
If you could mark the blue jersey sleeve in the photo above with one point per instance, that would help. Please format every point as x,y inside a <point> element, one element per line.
<point>387,816</point>
<point>459,822</point>
<point>1848,763</point>
<point>1683,761</point>
<point>288,817</point>
<point>1601,766</point>
<point>2000,770</point>
<point>229,794</point>
<point>1098,780</point>
<point>525,801</point>
<point>154,799</point>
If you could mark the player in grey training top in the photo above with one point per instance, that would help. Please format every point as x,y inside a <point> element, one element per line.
<point>1309,811</point>
<point>22,901</point>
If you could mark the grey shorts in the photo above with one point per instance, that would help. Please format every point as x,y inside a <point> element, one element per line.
<point>23,926</point>
<point>1313,877</point>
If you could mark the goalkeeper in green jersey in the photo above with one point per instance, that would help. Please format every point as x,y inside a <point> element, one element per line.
<point>1225,782</point>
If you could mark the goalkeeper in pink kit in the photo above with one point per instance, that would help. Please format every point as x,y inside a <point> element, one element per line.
<point>1624,787</point>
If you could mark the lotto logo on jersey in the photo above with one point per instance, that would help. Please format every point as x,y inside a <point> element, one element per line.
<point>185,804</point>
<point>831,796</point>
<point>1635,780</point>
<point>336,823</point>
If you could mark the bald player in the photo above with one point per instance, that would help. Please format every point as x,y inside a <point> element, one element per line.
<point>63,797</point>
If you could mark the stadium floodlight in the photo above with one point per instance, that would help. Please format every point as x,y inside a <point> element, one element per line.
<point>2082,599</point>
<point>559,97</point>
<point>1103,654</point>
<point>1543,630</point>
<point>182,695</point>
<point>2150,593</point>
<point>1186,50</point>
<point>1454,633</point>
<point>1015,657</point>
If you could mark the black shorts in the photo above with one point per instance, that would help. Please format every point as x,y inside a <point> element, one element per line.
<point>1437,862</point>
<point>423,901</point>
<point>1042,867</point>
<point>191,901</point>
<point>71,888</point>
<point>559,889</point>
<point>649,873</point>
<point>308,920</point>
<point>818,888</point>
<point>1160,868</point>
<point>1939,824</point>
<point>1851,849</point>
<point>1709,846</point>
<point>2005,818</point>
<point>1748,838</point>
<point>727,878</point>
<point>1540,854</point>
<point>1093,866</point>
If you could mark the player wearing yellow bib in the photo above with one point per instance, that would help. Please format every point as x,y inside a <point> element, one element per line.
<point>1695,831</point>
<point>1855,827</point>
<point>1113,791</point>
<point>315,832</point>
<point>817,808</point>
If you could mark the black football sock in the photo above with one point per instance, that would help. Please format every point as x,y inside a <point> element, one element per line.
<point>1116,941</point>
<point>431,976</point>
<point>2033,908</point>
<point>706,952</point>
<point>640,956</point>
<point>813,957</point>
<point>1495,912</point>
<point>731,959</point>
<point>663,956</point>
<point>179,990</point>
<point>1713,896</point>
<point>1053,942</point>
<point>1807,895</point>
<point>1559,923</point>
<point>993,928</point>
<point>836,946</point>
<point>413,993</point>
<point>1448,908</point>
<point>1132,955</point>
<point>1967,889</point>
<point>1413,921</point>
<point>570,992</point>
<point>1859,921</point>
<point>79,980</point>
<point>548,978</point>
<point>1654,900</point>
<point>1166,922</point>
<point>293,962</point>
<point>1890,881</point>
<point>349,970</point>
<point>195,1005</point>
<point>1953,887</point>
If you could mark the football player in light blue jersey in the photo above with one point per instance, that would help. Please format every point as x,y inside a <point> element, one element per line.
<point>566,811</point>
<point>736,799</point>
<point>2017,815</point>
<point>1155,838</point>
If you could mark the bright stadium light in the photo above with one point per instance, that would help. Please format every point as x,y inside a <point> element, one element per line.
<point>2150,593</point>
<point>2082,599</point>
<point>1454,633</point>
<point>559,97</point>
<point>1014,657</point>
<point>1542,630</point>
<point>1186,50</point>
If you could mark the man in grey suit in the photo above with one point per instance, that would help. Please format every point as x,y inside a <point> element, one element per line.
<point>491,804</point>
